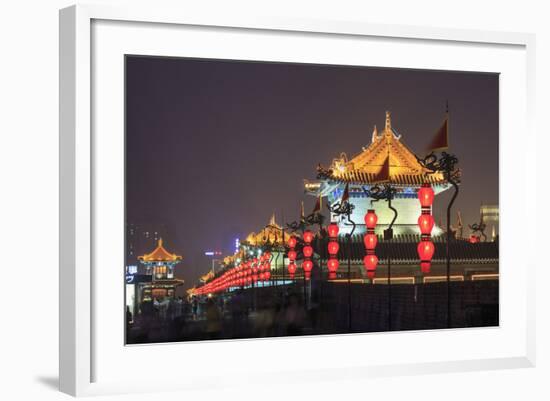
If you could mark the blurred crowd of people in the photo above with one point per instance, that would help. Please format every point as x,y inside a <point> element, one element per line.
<point>234,315</point>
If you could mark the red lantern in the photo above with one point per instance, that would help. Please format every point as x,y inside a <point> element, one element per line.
<point>474,239</point>
<point>292,255</point>
<point>370,262</point>
<point>425,267</point>
<point>308,251</point>
<point>267,275</point>
<point>370,241</point>
<point>426,250</point>
<point>308,237</point>
<point>292,268</point>
<point>333,248</point>
<point>333,265</point>
<point>292,242</point>
<point>426,195</point>
<point>371,219</point>
<point>426,223</point>
<point>307,265</point>
<point>333,230</point>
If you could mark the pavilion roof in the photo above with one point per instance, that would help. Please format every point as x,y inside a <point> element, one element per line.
<point>271,233</point>
<point>160,254</point>
<point>385,159</point>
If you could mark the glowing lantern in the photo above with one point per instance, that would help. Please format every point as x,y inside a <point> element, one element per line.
<point>425,267</point>
<point>371,219</point>
<point>333,248</point>
<point>426,195</point>
<point>307,265</point>
<point>292,242</point>
<point>426,251</point>
<point>426,223</point>
<point>370,241</point>
<point>370,262</point>
<point>333,265</point>
<point>291,269</point>
<point>292,255</point>
<point>333,230</point>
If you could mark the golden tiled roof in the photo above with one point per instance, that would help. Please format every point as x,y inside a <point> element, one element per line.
<point>365,168</point>
<point>271,233</point>
<point>160,255</point>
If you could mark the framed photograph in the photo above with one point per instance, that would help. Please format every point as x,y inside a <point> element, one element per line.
<point>296,197</point>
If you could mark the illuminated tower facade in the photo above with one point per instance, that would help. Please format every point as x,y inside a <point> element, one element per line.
<point>160,264</point>
<point>362,172</point>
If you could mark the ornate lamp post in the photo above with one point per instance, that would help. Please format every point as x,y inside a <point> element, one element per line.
<point>447,164</point>
<point>333,248</point>
<point>386,193</point>
<point>426,223</point>
<point>307,264</point>
<point>292,256</point>
<point>371,260</point>
<point>345,208</point>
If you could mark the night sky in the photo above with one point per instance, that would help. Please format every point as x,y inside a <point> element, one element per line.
<point>215,147</point>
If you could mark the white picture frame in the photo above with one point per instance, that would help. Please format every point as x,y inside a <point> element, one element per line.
<point>78,224</point>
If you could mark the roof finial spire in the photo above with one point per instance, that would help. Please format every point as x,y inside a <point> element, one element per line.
<point>272,220</point>
<point>388,122</point>
<point>374,134</point>
<point>160,241</point>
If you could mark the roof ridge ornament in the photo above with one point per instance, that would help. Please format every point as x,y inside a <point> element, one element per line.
<point>387,128</point>
<point>374,134</point>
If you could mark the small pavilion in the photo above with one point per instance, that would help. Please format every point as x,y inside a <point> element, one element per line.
<point>160,264</point>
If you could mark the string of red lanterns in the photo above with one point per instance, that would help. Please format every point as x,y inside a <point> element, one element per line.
<point>371,240</point>
<point>243,274</point>
<point>292,256</point>
<point>307,264</point>
<point>426,223</point>
<point>333,247</point>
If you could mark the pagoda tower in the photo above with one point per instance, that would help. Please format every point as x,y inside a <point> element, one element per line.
<point>159,264</point>
<point>403,172</point>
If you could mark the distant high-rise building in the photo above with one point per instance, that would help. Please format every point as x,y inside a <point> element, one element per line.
<point>489,216</point>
